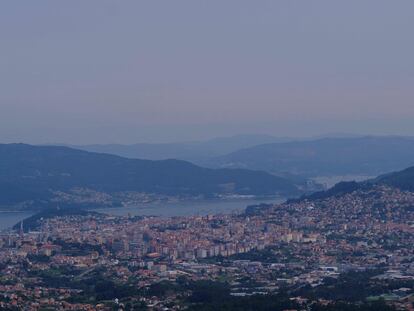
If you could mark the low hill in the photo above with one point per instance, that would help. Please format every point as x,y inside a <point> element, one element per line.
<point>403,180</point>
<point>370,156</point>
<point>338,190</point>
<point>35,172</point>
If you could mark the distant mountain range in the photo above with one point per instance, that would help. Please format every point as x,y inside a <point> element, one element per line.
<point>289,157</point>
<point>190,151</point>
<point>35,173</point>
<point>37,176</point>
<point>324,157</point>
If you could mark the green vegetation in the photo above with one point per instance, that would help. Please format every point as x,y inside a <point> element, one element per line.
<point>349,292</point>
<point>340,306</point>
<point>95,286</point>
<point>266,255</point>
<point>249,303</point>
<point>350,287</point>
<point>78,249</point>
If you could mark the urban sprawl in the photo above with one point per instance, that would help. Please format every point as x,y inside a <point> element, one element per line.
<point>102,262</point>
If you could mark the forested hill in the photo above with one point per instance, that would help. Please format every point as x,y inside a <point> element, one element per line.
<point>31,172</point>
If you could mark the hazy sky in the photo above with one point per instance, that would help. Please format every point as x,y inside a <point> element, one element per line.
<point>131,71</point>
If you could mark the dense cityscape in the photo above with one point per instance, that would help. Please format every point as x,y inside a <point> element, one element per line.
<point>353,248</point>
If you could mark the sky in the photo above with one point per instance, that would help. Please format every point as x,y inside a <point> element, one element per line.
<point>101,71</point>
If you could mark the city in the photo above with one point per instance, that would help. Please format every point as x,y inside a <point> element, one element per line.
<point>296,247</point>
<point>207,155</point>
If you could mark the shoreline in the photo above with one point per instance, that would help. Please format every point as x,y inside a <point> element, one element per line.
<point>146,205</point>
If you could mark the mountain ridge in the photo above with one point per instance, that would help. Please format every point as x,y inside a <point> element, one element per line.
<point>193,151</point>
<point>368,155</point>
<point>37,171</point>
